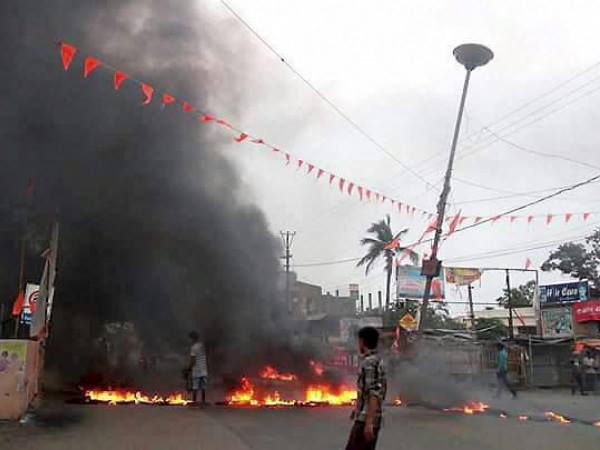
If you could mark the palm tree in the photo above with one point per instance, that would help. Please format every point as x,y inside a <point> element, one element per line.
<point>384,244</point>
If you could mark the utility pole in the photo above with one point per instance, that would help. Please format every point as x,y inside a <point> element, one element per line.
<point>287,237</point>
<point>471,312</point>
<point>470,56</point>
<point>511,334</point>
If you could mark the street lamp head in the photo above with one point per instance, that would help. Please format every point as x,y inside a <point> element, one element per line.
<point>473,55</point>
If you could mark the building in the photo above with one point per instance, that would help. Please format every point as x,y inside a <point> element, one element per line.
<point>524,319</point>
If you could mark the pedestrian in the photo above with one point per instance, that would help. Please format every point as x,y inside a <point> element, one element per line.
<point>198,369</point>
<point>371,388</point>
<point>502,371</point>
<point>589,371</point>
<point>576,376</point>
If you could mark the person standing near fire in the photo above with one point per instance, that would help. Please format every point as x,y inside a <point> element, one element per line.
<point>371,389</point>
<point>198,369</point>
<point>502,371</point>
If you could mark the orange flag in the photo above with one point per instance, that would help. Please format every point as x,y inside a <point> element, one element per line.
<point>67,52</point>
<point>89,65</point>
<point>118,78</point>
<point>18,304</point>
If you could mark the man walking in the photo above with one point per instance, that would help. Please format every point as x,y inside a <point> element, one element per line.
<point>502,371</point>
<point>198,369</point>
<point>371,388</point>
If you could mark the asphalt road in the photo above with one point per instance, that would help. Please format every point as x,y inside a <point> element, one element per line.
<point>82,427</point>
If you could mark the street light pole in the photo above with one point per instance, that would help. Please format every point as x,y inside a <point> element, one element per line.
<point>470,56</point>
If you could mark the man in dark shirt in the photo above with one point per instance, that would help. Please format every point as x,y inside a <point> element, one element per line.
<point>371,388</point>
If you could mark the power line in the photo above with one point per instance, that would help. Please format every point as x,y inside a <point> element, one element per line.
<point>322,96</point>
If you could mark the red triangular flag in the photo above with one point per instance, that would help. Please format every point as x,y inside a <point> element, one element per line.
<point>368,194</point>
<point>224,123</point>
<point>477,219</point>
<point>360,192</point>
<point>462,219</point>
<point>399,207</point>
<point>320,173</point>
<point>241,137</point>
<point>18,304</point>
<point>167,99</point>
<point>331,177</point>
<point>287,159</point>
<point>432,226</point>
<point>376,196</point>
<point>148,92</point>
<point>187,107</point>
<point>407,209</point>
<point>549,218</point>
<point>568,217</point>
<point>350,187</point>
<point>527,264</point>
<point>341,184</point>
<point>413,210</point>
<point>310,168</point>
<point>453,224</point>
<point>529,219</point>
<point>89,65</point>
<point>300,162</point>
<point>513,218</point>
<point>257,141</point>
<point>118,79</point>
<point>383,198</point>
<point>276,150</point>
<point>67,53</point>
<point>586,215</point>
<point>496,219</point>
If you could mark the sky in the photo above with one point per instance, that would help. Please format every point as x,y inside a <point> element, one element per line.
<point>388,66</point>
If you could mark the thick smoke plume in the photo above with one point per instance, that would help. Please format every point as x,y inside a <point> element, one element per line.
<point>153,226</point>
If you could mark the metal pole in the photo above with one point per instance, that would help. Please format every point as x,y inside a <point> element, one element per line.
<point>362,303</point>
<point>370,301</point>
<point>471,312</point>
<point>380,302</point>
<point>511,333</point>
<point>287,238</point>
<point>441,206</point>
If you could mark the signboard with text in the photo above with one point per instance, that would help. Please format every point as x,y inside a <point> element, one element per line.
<point>556,294</point>
<point>586,311</point>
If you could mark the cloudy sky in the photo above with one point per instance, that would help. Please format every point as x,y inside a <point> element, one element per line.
<point>389,66</point>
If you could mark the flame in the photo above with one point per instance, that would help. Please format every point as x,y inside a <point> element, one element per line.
<point>116,396</point>
<point>244,395</point>
<point>502,416</point>
<point>597,424</point>
<point>523,418</point>
<point>556,417</point>
<point>317,367</point>
<point>344,395</point>
<point>398,401</point>
<point>270,373</point>
<point>469,408</point>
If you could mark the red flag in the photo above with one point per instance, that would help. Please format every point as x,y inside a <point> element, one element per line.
<point>496,219</point>
<point>341,184</point>
<point>399,207</point>
<point>118,78</point>
<point>568,217</point>
<point>148,92</point>
<point>29,190</point>
<point>300,162</point>
<point>89,65</point>
<point>287,159</point>
<point>310,168</point>
<point>432,226</point>
<point>167,99</point>
<point>187,107</point>
<point>368,193</point>
<point>462,219</point>
<point>529,219</point>
<point>209,118</point>
<point>549,218</point>
<point>527,263</point>
<point>331,177</point>
<point>513,218</point>
<point>376,196</point>
<point>383,198</point>
<point>67,52</point>
<point>241,137</point>
<point>477,219</point>
<point>360,192</point>
<point>586,215</point>
<point>413,210</point>
<point>257,141</point>
<point>454,224</point>
<point>320,173</point>
<point>224,123</point>
<point>407,209</point>
<point>350,187</point>
<point>392,245</point>
<point>18,304</point>
<point>276,150</point>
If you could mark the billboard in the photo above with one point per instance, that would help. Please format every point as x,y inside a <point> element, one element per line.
<point>557,322</point>
<point>555,294</point>
<point>411,284</point>
<point>586,311</point>
<point>462,276</point>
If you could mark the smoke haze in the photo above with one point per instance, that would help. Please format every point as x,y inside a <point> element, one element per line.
<point>153,227</point>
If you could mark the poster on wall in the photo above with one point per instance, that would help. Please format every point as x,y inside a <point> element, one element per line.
<point>12,365</point>
<point>411,284</point>
<point>557,322</point>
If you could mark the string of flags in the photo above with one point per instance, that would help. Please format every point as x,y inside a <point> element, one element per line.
<point>346,186</point>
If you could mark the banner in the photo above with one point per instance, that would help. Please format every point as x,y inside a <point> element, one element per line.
<point>555,294</point>
<point>586,311</point>
<point>411,284</point>
<point>462,276</point>
<point>557,322</point>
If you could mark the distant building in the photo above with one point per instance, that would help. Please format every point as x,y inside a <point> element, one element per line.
<point>524,319</point>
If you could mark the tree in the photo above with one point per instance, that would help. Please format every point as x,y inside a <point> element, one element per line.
<point>521,296</point>
<point>492,329</point>
<point>384,245</point>
<point>581,261</point>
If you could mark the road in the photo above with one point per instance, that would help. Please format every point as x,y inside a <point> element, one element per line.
<point>99,427</point>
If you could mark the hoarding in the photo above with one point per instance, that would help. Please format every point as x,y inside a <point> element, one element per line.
<point>564,293</point>
<point>586,311</point>
<point>411,284</point>
<point>557,322</point>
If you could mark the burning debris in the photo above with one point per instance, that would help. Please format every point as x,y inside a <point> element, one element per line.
<point>272,374</point>
<point>552,416</point>
<point>317,368</point>
<point>469,408</point>
<point>125,396</point>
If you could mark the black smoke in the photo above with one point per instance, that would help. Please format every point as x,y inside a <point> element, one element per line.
<point>154,226</point>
